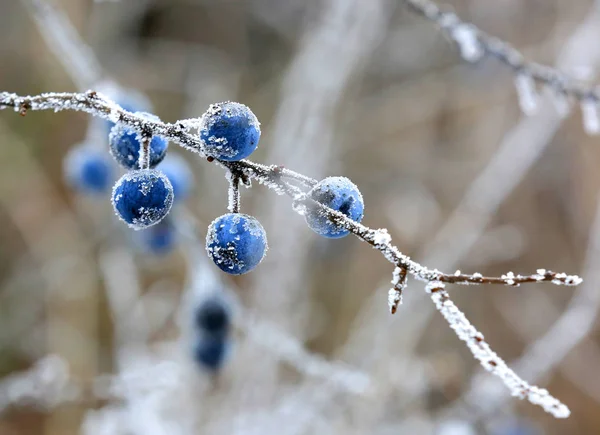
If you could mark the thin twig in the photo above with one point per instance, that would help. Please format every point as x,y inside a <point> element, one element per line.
<point>488,358</point>
<point>144,159</point>
<point>475,43</point>
<point>272,176</point>
<point>234,197</point>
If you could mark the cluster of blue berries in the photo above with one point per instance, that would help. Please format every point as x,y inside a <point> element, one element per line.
<point>143,197</point>
<point>236,242</point>
<point>212,324</point>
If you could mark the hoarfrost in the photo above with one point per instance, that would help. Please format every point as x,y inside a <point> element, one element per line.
<point>488,358</point>
<point>526,91</point>
<point>591,116</point>
<point>466,37</point>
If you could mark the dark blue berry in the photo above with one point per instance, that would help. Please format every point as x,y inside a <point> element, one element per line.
<point>142,198</point>
<point>179,174</point>
<point>210,352</point>
<point>236,243</point>
<point>340,194</point>
<point>125,145</point>
<point>159,239</point>
<point>229,131</point>
<point>213,317</point>
<point>89,169</point>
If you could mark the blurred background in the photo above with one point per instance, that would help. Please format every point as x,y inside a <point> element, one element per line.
<point>94,329</point>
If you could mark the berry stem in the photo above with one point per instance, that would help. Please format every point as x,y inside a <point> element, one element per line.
<point>144,159</point>
<point>234,192</point>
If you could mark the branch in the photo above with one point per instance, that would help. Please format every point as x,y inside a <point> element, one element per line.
<point>474,44</point>
<point>488,358</point>
<point>274,177</point>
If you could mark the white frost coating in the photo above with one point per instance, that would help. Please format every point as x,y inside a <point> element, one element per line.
<point>488,358</point>
<point>382,237</point>
<point>465,36</point>
<point>591,116</point>
<point>509,277</point>
<point>46,384</point>
<point>528,97</point>
<point>395,293</point>
<point>561,101</point>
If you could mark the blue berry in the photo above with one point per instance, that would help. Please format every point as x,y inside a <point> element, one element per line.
<point>213,317</point>
<point>340,194</point>
<point>125,145</point>
<point>236,243</point>
<point>210,352</point>
<point>142,198</point>
<point>159,239</point>
<point>229,131</point>
<point>88,169</point>
<point>179,174</point>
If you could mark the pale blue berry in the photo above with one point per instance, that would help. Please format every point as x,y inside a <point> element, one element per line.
<point>125,145</point>
<point>229,131</point>
<point>159,239</point>
<point>142,198</point>
<point>236,243</point>
<point>88,169</point>
<point>211,352</point>
<point>340,194</point>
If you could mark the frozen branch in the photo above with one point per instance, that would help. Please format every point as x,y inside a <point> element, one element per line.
<point>274,177</point>
<point>488,358</point>
<point>474,44</point>
<point>234,202</point>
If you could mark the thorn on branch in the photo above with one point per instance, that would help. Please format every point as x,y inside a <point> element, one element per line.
<point>24,108</point>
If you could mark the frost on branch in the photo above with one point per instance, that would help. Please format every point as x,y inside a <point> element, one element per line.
<point>591,116</point>
<point>528,98</point>
<point>399,279</point>
<point>488,358</point>
<point>465,36</point>
<point>475,44</point>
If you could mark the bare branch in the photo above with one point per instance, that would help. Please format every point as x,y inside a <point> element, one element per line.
<point>488,358</point>
<point>475,44</point>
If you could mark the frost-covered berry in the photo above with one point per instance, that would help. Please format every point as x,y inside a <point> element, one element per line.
<point>159,239</point>
<point>142,198</point>
<point>229,131</point>
<point>88,169</point>
<point>179,174</point>
<point>213,317</point>
<point>236,243</point>
<point>211,352</point>
<point>125,145</point>
<point>338,193</point>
